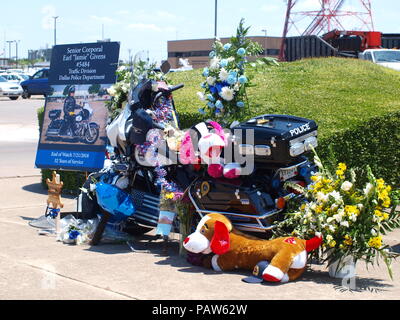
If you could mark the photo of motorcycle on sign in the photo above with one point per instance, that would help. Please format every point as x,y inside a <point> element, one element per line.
<point>76,114</point>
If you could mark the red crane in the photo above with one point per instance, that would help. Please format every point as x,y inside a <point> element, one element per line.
<point>326,18</point>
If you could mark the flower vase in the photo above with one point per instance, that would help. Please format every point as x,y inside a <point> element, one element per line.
<point>344,268</point>
<point>185,224</point>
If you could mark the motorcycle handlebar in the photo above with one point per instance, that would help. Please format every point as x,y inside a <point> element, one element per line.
<point>179,86</point>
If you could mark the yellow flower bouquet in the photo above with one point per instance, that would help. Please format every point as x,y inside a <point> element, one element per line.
<point>352,220</point>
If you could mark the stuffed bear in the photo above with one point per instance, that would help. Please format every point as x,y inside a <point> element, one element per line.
<point>232,250</point>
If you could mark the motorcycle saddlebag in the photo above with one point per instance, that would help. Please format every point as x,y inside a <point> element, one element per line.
<point>225,196</point>
<point>278,139</point>
<point>54,114</point>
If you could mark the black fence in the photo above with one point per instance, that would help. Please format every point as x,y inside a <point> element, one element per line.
<point>391,40</point>
<point>308,47</point>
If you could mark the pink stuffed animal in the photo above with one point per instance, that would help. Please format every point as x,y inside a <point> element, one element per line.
<point>211,142</point>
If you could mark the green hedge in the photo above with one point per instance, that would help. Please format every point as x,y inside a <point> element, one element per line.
<point>72,180</point>
<point>375,143</point>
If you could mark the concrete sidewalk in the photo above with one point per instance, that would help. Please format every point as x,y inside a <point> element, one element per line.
<point>37,267</point>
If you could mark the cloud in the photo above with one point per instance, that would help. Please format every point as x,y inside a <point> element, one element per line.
<point>49,12</point>
<point>165,15</point>
<point>123,12</point>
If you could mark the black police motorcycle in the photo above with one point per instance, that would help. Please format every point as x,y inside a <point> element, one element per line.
<point>253,202</point>
<point>79,129</point>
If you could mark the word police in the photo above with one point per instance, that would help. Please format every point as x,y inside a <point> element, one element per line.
<point>300,130</point>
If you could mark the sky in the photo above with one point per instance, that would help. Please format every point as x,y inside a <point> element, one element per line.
<point>148,25</point>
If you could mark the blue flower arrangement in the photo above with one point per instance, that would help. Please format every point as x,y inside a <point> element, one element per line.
<point>226,79</point>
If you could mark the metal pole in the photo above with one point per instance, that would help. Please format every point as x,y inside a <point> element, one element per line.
<point>16,53</point>
<point>290,6</point>
<point>9,50</point>
<point>265,42</point>
<point>55,29</point>
<point>216,19</point>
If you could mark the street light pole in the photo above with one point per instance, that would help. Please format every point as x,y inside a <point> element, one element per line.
<point>55,29</point>
<point>216,19</point>
<point>16,52</point>
<point>9,50</point>
<point>265,42</point>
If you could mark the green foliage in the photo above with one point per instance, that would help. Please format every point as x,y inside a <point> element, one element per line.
<point>73,180</point>
<point>127,78</point>
<point>226,80</point>
<point>94,88</point>
<point>188,119</point>
<point>351,219</point>
<point>374,143</point>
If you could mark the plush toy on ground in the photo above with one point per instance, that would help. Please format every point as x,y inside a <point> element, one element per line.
<point>232,250</point>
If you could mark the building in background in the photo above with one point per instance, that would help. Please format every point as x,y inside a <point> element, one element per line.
<point>197,51</point>
<point>41,54</point>
<point>4,62</point>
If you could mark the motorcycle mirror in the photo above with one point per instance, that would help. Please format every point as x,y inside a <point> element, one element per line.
<point>165,67</point>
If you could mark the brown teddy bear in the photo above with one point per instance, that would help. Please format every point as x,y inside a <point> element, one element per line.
<point>232,250</point>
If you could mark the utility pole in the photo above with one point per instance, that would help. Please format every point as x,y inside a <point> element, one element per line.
<point>55,29</point>
<point>216,19</point>
<point>265,41</point>
<point>130,57</point>
<point>102,32</point>
<point>9,51</point>
<point>16,52</point>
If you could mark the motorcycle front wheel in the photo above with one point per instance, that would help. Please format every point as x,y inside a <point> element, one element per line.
<point>92,134</point>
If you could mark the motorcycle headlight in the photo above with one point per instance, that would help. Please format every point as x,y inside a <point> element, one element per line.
<point>246,149</point>
<point>263,151</point>
<point>310,142</point>
<point>79,118</point>
<point>297,149</point>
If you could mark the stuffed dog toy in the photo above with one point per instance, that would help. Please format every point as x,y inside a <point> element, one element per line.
<point>232,250</point>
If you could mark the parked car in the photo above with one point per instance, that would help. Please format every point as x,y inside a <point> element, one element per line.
<point>14,77</point>
<point>38,84</point>
<point>9,89</point>
<point>389,58</point>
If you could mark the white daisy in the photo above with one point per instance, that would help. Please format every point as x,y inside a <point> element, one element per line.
<point>211,81</point>
<point>227,94</point>
<point>346,186</point>
<point>223,75</point>
<point>214,63</point>
<point>201,96</point>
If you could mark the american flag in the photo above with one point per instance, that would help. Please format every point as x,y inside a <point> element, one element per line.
<point>147,206</point>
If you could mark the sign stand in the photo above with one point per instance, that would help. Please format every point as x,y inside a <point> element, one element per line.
<point>54,199</point>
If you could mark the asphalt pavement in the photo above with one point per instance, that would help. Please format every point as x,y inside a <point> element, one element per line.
<point>37,267</point>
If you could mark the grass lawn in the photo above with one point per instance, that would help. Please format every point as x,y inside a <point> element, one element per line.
<point>338,93</point>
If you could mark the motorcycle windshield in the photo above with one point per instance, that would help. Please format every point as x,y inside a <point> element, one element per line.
<point>140,96</point>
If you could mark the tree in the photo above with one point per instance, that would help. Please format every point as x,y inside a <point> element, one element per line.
<point>94,88</point>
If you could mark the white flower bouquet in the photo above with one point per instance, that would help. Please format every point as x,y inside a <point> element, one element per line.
<point>226,80</point>
<point>352,220</point>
